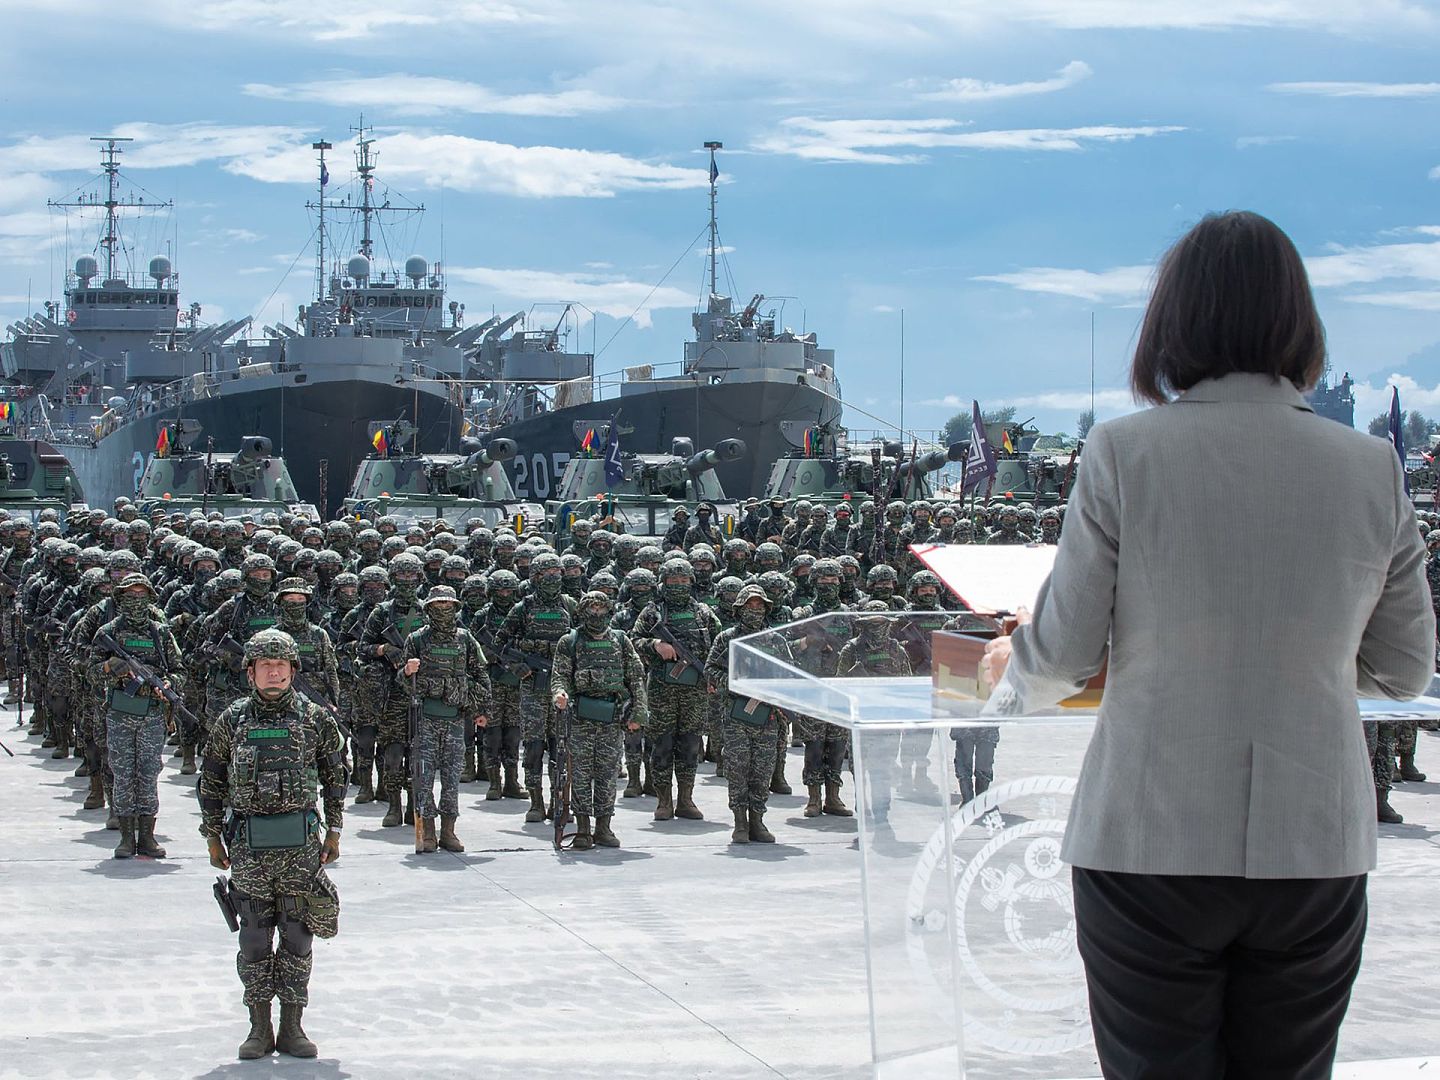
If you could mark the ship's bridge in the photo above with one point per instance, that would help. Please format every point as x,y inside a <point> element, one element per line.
<point>138,303</point>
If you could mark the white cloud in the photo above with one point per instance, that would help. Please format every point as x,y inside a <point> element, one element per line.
<point>1411,299</point>
<point>1434,174</point>
<point>1113,400</point>
<point>423,95</point>
<point>352,20</point>
<point>156,146</point>
<point>1247,142</point>
<point>1371,399</point>
<point>966,89</point>
<point>883,309</point>
<point>1380,262</point>
<point>885,141</point>
<point>466,164</point>
<point>704,252</point>
<point>606,294</point>
<point>1121,284</point>
<point>1357,89</point>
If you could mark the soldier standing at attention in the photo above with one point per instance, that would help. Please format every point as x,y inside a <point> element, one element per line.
<point>445,667</point>
<point>876,652</point>
<point>262,762</point>
<point>135,717</point>
<point>599,676</point>
<point>381,643</point>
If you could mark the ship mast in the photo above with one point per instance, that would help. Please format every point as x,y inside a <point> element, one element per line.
<point>109,161</point>
<point>365,166</point>
<point>319,206</point>
<point>714,231</point>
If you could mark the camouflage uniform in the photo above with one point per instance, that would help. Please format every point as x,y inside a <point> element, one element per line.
<point>502,733</point>
<point>381,643</point>
<point>875,653</point>
<point>369,682</point>
<point>265,760</point>
<point>818,652</point>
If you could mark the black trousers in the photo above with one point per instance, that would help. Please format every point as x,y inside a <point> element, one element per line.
<point>1201,977</point>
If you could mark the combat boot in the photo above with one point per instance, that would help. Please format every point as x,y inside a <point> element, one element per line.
<point>37,723</point>
<point>12,693</point>
<point>366,794</point>
<point>632,789</point>
<point>922,784</point>
<point>126,848</point>
<point>583,840</point>
<point>513,790</point>
<point>95,797</point>
<point>812,808</point>
<point>62,748</point>
<point>428,842</point>
<point>664,808</point>
<point>448,840</point>
<point>1384,812</point>
<point>1408,771</point>
<point>759,834</point>
<point>537,805</point>
<point>741,833</point>
<point>83,769</point>
<point>685,802</point>
<point>145,844</point>
<point>111,821</point>
<point>48,743</point>
<point>393,815</point>
<point>778,784</point>
<point>187,764</point>
<point>291,1038</point>
<point>495,794</point>
<point>967,788</point>
<point>648,787</point>
<point>603,836</point>
<point>833,805</point>
<point>409,807</point>
<point>467,773</point>
<point>261,1040</point>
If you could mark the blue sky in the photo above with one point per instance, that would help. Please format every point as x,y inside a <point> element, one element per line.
<point>998,171</point>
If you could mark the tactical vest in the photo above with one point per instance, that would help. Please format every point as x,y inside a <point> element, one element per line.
<point>272,763</point>
<point>885,658</point>
<point>544,624</point>
<point>141,645</point>
<point>686,625</point>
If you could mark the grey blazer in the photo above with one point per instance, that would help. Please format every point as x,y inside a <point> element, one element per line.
<point>1251,567</point>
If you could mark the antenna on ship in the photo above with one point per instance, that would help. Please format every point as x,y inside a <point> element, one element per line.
<point>365,166</point>
<point>714,178</point>
<point>319,205</point>
<point>110,162</point>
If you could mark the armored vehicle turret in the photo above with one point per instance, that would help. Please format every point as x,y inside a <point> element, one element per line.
<point>397,479</point>
<point>34,476</point>
<point>249,480</point>
<point>652,488</point>
<point>823,469</point>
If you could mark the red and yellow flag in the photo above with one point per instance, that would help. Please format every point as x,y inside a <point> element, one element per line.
<point>162,444</point>
<point>1006,443</point>
<point>382,444</point>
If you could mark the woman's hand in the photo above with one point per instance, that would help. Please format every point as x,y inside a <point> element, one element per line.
<point>997,651</point>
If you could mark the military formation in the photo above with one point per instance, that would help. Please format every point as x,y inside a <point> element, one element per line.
<point>294,665</point>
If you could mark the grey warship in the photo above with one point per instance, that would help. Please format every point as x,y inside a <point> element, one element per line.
<point>742,375</point>
<point>101,373</point>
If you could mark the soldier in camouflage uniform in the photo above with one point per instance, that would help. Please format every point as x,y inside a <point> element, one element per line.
<point>502,733</point>
<point>533,626</point>
<point>264,761</point>
<point>818,652</point>
<point>874,652</point>
<point>370,682</point>
<point>293,598</point>
<point>752,738</point>
<point>1008,531</point>
<point>135,717</point>
<point>443,665</point>
<point>235,622</point>
<point>183,610</point>
<point>676,689</point>
<point>636,593</point>
<point>599,677</point>
<point>381,644</point>
<point>705,530</point>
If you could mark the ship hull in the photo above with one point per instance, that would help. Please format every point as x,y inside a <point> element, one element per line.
<point>648,420</point>
<point>322,422</point>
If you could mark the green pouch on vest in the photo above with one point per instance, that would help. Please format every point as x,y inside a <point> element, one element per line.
<point>503,676</point>
<point>130,704</point>
<point>274,832</point>
<point>679,673</point>
<point>438,709</point>
<point>750,711</point>
<point>599,710</point>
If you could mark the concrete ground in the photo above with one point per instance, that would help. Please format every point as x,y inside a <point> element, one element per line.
<point>677,956</point>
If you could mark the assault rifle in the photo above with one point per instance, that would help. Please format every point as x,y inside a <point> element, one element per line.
<point>141,675</point>
<point>512,657</point>
<point>417,767</point>
<point>684,658</point>
<point>564,778</point>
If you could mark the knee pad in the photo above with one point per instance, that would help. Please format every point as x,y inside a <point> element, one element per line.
<point>510,742</point>
<point>394,757</point>
<point>365,738</point>
<point>257,922</point>
<point>688,747</point>
<point>295,937</point>
<point>662,752</point>
<point>534,753</point>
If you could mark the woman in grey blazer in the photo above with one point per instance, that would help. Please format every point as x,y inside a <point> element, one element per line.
<point>1247,568</point>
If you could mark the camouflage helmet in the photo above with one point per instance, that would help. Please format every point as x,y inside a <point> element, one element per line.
<point>627,543</point>
<point>122,559</point>
<point>205,554</point>
<point>867,508</point>
<point>90,558</point>
<point>130,581</point>
<point>329,557</point>
<point>571,561</point>
<point>46,530</point>
<point>802,508</point>
<point>345,580</point>
<point>746,593</point>
<point>593,597</point>
<point>507,541</point>
<point>735,547</point>
<point>849,564</point>
<point>650,556</point>
<point>545,560</point>
<point>338,528</point>
<point>895,511</point>
<point>93,579</point>
<point>583,527</point>
<point>681,514</point>
<point>604,580</point>
<point>503,579</point>
<point>374,575</point>
<point>602,536</point>
<point>229,579</point>
<point>637,576</point>
<point>475,583</point>
<point>775,584</point>
<point>392,546</point>
<point>440,594</point>
<point>874,612</point>
<point>827,568</point>
<point>770,553</point>
<point>728,587</point>
<point>272,644</point>
<point>703,553</point>
<point>140,527</point>
<point>370,538</point>
<point>677,567</point>
<point>446,541</point>
<point>806,560</point>
<point>252,563</point>
<point>435,556</point>
<point>922,579</point>
<point>946,511</point>
<point>406,563</point>
<point>455,564</point>
<point>294,585</point>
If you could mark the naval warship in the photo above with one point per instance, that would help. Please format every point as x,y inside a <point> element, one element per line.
<point>103,373</point>
<point>742,375</point>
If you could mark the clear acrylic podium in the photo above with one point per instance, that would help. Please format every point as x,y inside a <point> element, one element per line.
<point>970,946</point>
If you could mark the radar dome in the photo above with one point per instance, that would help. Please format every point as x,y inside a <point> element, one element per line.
<point>159,268</point>
<point>86,267</point>
<point>415,267</point>
<point>358,267</point>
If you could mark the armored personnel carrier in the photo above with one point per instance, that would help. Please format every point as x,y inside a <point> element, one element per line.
<point>251,480</point>
<point>398,480</point>
<point>654,486</point>
<point>34,476</point>
<point>823,469</point>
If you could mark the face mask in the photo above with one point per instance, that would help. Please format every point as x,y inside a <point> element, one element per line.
<point>640,597</point>
<point>676,595</point>
<point>345,600</point>
<point>256,588</point>
<point>704,517</point>
<point>405,590</point>
<point>842,523</point>
<point>882,590</point>
<point>69,572</point>
<point>503,601</point>
<point>234,543</point>
<point>752,620</point>
<point>574,585</point>
<point>595,622</point>
<point>547,587</point>
<point>372,594</point>
<point>926,600</point>
<point>473,603</point>
<point>703,578</point>
<point>134,608</point>
<point>202,574</point>
<point>504,559</point>
<point>442,618</point>
<point>872,634</point>
<point>292,612</point>
<point>22,546</point>
<point>828,592</point>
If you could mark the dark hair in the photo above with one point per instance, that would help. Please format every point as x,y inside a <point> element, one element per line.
<point>1231,295</point>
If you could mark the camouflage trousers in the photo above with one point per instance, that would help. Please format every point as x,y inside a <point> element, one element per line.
<point>826,746</point>
<point>975,757</point>
<point>442,753</point>
<point>1407,734</point>
<point>134,745</point>
<point>1380,739</point>
<point>538,731</point>
<point>678,715</point>
<point>595,751</point>
<point>392,742</point>
<point>288,892</point>
<point>58,699</point>
<point>503,732</point>
<point>749,761</point>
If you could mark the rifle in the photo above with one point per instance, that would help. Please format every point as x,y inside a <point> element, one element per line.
<point>417,767</point>
<point>512,657</point>
<point>314,693</point>
<point>684,658</point>
<point>877,539</point>
<point>1070,470</point>
<point>142,676</point>
<point>564,778</point>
